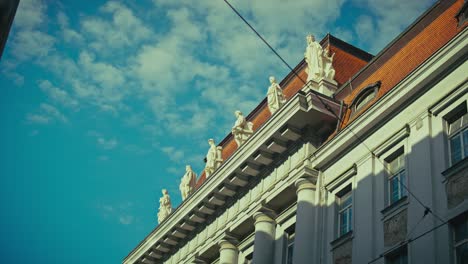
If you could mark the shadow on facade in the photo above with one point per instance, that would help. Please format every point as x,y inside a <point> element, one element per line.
<point>379,228</point>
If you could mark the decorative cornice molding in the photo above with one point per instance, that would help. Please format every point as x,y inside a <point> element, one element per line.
<point>393,140</point>
<point>335,183</point>
<point>459,91</point>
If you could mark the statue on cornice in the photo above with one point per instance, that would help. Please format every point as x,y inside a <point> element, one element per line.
<point>242,129</point>
<point>213,158</point>
<point>188,182</point>
<point>275,96</point>
<point>328,69</point>
<point>313,57</point>
<point>165,206</point>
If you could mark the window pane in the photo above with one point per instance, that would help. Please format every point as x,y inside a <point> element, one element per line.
<point>397,164</point>
<point>465,142</point>
<point>399,258</point>
<point>461,231</point>
<point>289,256</point>
<point>455,126</point>
<point>394,190</point>
<point>455,149</point>
<point>465,120</point>
<point>343,223</point>
<point>345,201</point>
<point>402,182</point>
<point>462,254</point>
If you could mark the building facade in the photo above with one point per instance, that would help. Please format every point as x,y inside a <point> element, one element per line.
<point>363,163</point>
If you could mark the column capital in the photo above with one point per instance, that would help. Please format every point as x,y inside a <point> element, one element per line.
<point>227,244</point>
<point>305,183</point>
<point>262,216</point>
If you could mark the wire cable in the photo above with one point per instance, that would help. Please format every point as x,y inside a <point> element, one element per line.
<point>426,208</point>
<point>410,240</point>
<point>417,224</point>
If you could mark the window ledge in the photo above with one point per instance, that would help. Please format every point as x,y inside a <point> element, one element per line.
<point>395,207</point>
<point>342,239</point>
<point>456,168</point>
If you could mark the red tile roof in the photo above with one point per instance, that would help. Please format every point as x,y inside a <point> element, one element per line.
<point>410,50</point>
<point>346,64</point>
<point>428,34</point>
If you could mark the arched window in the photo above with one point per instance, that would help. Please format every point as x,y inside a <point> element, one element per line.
<point>365,96</point>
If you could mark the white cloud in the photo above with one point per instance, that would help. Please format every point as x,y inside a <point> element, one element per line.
<point>69,35</point>
<point>184,79</point>
<point>106,75</point>
<point>53,112</point>
<point>37,119</point>
<point>30,14</point>
<point>31,44</point>
<point>45,115</point>
<point>391,17</point>
<point>120,213</point>
<point>174,154</point>
<point>58,95</point>
<point>123,30</point>
<point>107,143</point>
<point>365,28</point>
<point>135,149</point>
<point>126,219</point>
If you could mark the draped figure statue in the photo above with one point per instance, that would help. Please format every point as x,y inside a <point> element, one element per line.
<point>275,96</point>
<point>165,206</point>
<point>188,182</point>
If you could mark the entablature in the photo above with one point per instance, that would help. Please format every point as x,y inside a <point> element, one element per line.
<point>304,114</point>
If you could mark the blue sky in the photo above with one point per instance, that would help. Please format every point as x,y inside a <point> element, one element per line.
<point>103,103</point>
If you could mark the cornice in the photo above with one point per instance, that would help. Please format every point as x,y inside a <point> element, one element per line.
<point>346,175</point>
<point>410,88</point>
<point>266,138</point>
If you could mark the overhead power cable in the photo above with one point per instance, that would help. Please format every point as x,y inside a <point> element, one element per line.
<point>426,208</point>
<point>410,240</point>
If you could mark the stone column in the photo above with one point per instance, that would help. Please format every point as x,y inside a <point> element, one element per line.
<point>264,240</point>
<point>305,233</point>
<point>228,252</point>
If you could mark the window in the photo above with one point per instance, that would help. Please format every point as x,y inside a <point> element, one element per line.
<point>367,94</point>
<point>248,259</point>
<point>290,249</point>
<point>460,237</point>
<point>367,97</point>
<point>345,211</point>
<point>396,176</point>
<point>399,256</point>
<point>458,134</point>
<point>462,14</point>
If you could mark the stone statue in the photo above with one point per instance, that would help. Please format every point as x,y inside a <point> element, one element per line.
<point>275,96</point>
<point>242,129</point>
<point>313,57</point>
<point>165,206</point>
<point>213,158</point>
<point>187,185</point>
<point>328,69</point>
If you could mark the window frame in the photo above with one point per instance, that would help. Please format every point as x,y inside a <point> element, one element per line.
<point>460,220</point>
<point>290,247</point>
<point>342,197</point>
<point>401,172</point>
<point>458,115</point>
<point>368,94</point>
<point>401,251</point>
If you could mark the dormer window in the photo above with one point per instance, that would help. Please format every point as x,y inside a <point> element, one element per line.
<point>462,14</point>
<point>366,95</point>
